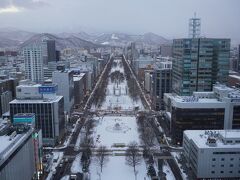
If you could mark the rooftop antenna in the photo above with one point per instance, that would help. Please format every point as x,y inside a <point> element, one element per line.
<point>194,27</point>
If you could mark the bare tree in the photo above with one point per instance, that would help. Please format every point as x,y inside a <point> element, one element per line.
<point>148,137</point>
<point>133,156</point>
<point>101,156</point>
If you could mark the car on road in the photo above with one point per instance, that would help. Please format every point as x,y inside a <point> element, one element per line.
<point>73,177</point>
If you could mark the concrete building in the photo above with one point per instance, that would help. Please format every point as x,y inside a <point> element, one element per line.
<point>212,154</point>
<point>33,62</point>
<point>79,87</point>
<point>17,160</point>
<point>47,107</point>
<point>7,93</point>
<point>166,50</point>
<point>199,63</point>
<point>64,80</point>
<point>218,109</point>
<point>234,80</point>
<point>161,82</point>
<point>148,80</point>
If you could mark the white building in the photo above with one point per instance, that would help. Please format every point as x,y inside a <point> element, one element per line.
<point>218,109</point>
<point>17,152</point>
<point>33,62</point>
<point>213,153</point>
<point>47,107</point>
<point>64,80</point>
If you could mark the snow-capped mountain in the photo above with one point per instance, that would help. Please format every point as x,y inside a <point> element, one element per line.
<point>61,43</point>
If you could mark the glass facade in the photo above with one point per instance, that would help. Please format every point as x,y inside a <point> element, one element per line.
<point>45,117</point>
<point>199,63</point>
<point>195,119</point>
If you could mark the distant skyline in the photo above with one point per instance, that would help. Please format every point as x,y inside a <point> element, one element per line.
<point>168,18</point>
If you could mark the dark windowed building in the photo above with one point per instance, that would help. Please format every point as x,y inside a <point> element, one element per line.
<point>199,63</point>
<point>218,109</point>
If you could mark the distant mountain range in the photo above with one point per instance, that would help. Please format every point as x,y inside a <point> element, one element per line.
<point>61,43</point>
<point>13,38</point>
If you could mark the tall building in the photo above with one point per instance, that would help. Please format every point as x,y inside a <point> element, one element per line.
<point>64,80</point>
<point>7,94</point>
<point>48,51</point>
<point>238,57</point>
<point>17,152</point>
<point>212,154</point>
<point>166,50</point>
<point>33,62</point>
<point>161,82</point>
<point>218,109</point>
<point>199,63</point>
<point>51,51</point>
<point>47,107</point>
<point>194,27</point>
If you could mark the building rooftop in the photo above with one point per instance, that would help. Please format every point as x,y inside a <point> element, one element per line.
<point>9,143</point>
<point>46,100</point>
<point>214,138</point>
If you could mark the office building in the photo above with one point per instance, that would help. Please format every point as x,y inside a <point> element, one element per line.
<point>166,50</point>
<point>212,154</point>
<point>79,87</point>
<point>161,82</point>
<point>17,160</point>
<point>7,93</point>
<point>47,107</point>
<point>199,63</point>
<point>64,80</point>
<point>218,109</point>
<point>33,62</point>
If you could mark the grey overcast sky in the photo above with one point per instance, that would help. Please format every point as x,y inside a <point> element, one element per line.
<point>169,18</point>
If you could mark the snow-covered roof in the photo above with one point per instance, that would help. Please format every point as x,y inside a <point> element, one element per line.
<point>9,146</point>
<point>36,101</point>
<point>224,138</point>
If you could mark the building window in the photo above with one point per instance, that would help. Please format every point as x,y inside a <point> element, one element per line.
<point>213,172</point>
<point>213,159</point>
<point>231,159</point>
<point>231,165</point>
<point>222,159</point>
<point>222,172</point>
<point>230,171</point>
<point>213,165</point>
<point>222,165</point>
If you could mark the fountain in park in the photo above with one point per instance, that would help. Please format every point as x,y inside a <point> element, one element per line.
<point>118,127</point>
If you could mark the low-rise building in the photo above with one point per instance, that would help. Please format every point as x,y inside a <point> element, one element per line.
<point>212,153</point>
<point>218,109</point>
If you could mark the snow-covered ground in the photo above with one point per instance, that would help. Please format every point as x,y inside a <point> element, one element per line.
<point>117,169</point>
<point>58,156</point>
<point>67,177</point>
<point>117,129</point>
<point>106,134</point>
<point>76,165</point>
<point>168,171</point>
<point>117,95</point>
<point>176,156</point>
